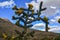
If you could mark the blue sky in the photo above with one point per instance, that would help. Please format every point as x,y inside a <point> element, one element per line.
<point>52,11</point>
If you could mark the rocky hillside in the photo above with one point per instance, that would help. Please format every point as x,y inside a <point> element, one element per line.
<point>9,28</point>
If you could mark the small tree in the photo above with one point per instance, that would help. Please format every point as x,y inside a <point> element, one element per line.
<point>24,14</point>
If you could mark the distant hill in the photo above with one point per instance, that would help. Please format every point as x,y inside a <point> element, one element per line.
<point>9,28</point>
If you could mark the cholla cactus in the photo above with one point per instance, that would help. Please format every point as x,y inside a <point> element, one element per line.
<point>32,11</point>
<point>40,10</point>
<point>24,17</point>
<point>24,14</point>
<point>46,19</point>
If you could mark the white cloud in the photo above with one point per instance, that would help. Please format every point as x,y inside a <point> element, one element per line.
<point>37,26</point>
<point>52,20</point>
<point>51,5</point>
<point>55,19</point>
<point>31,18</point>
<point>41,26</point>
<point>55,29</point>
<point>7,4</point>
<point>28,20</point>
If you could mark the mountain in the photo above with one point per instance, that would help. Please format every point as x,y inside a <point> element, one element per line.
<point>9,28</point>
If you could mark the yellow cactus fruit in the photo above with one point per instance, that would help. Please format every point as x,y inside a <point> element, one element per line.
<point>13,36</point>
<point>21,8</point>
<point>45,18</point>
<point>30,6</point>
<point>4,35</point>
<point>19,11</point>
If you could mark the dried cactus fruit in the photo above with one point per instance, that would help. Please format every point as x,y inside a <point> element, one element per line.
<point>30,6</point>
<point>59,21</point>
<point>45,18</point>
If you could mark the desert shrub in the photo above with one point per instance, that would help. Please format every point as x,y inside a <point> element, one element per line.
<point>24,35</point>
<point>57,38</point>
<point>0,36</point>
<point>47,38</point>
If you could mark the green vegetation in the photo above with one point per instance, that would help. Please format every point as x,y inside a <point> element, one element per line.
<point>57,38</point>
